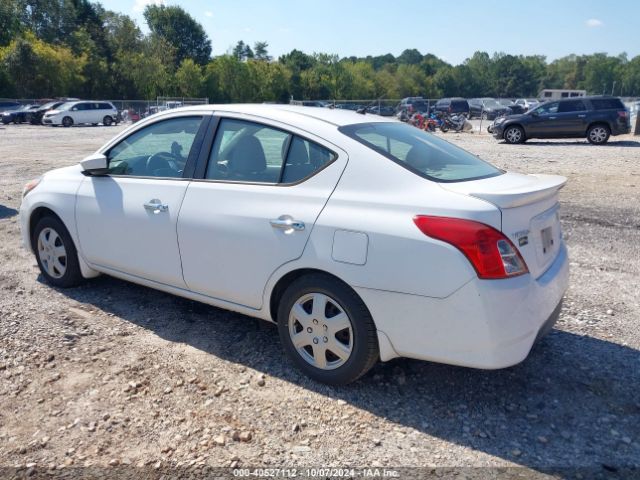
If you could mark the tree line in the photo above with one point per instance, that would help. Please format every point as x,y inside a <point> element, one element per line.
<point>55,48</point>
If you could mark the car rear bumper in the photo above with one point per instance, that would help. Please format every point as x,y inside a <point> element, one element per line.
<point>486,324</point>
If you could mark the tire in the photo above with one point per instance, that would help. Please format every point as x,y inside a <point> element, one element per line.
<point>444,128</point>
<point>107,121</point>
<point>598,134</point>
<point>354,337</point>
<point>514,134</point>
<point>67,122</point>
<point>56,253</point>
<point>6,121</point>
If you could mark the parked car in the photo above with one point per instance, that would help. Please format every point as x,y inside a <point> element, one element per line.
<point>486,108</point>
<point>21,114</point>
<point>8,105</point>
<point>413,105</point>
<point>595,118</point>
<point>527,103</point>
<point>382,110</point>
<point>83,112</point>
<point>452,105</point>
<point>361,237</point>
<point>38,114</point>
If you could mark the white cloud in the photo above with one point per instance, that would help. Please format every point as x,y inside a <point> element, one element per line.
<point>208,13</point>
<point>140,5</point>
<point>593,22</point>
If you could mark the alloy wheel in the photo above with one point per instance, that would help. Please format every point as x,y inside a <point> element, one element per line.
<point>598,134</point>
<point>513,135</point>
<point>52,253</point>
<point>321,331</point>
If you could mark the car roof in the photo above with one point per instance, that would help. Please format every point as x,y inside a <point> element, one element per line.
<point>291,114</point>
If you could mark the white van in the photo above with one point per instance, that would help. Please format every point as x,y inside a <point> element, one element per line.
<point>77,113</point>
<point>557,94</point>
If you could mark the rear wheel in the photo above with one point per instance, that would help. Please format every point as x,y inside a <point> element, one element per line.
<point>67,121</point>
<point>56,254</point>
<point>514,135</point>
<point>598,134</point>
<point>107,121</point>
<point>326,330</point>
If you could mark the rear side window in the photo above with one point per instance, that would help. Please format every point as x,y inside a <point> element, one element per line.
<point>420,152</point>
<point>250,152</point>
<point>571,106</point>
<point>607,104</point>
<point>104,106</point>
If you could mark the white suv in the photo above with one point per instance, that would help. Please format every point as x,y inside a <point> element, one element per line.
<point>78,113</point>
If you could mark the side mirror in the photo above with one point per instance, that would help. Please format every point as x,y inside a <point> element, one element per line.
<point>534,113</point>
<point>95,164</point>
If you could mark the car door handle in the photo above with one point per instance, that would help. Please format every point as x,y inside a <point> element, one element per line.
<point>552,118</point>
<point>156,206</point>
<point>287,223</point>
<point>581,116</point>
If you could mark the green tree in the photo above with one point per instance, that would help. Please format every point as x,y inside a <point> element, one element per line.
<point>189,79</point>
<point>181,30</point>
<point>260,51</point>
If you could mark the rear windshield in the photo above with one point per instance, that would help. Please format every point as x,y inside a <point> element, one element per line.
<point>607,104</point>
<point>420,152</point>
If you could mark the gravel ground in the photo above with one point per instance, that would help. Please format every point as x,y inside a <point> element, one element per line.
<point>111,375</point>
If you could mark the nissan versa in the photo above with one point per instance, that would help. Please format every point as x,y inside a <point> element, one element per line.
<point>362,238</point>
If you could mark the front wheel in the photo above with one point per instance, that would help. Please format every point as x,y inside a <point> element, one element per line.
<point>514,135</point>
<point>444,128</point>
<point>598,134</point>
<point>67,121</point>
<point>56,254</point>
<point>326,330</point>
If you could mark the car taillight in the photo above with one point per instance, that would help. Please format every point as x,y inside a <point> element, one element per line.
<point>622,114</point>
<point>491,253</point>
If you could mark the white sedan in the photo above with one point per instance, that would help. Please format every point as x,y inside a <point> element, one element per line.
<point>362,238</point>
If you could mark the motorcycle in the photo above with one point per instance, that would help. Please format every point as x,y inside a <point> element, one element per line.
<point>456,122</point>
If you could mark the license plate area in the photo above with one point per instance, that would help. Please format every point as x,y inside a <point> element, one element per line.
<point>547,234</point>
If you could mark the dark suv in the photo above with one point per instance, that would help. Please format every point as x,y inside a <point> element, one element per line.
<point>452,105</point>
<point>595,118</point>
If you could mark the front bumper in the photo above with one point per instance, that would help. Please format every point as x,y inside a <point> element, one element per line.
<point>486,324</point>
<point>497,130</point>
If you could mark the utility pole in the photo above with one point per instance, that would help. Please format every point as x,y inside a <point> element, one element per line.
<point>613,87</point>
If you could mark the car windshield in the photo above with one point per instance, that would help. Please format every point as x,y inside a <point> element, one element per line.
<point>421,152</point>
<point>66,106</point>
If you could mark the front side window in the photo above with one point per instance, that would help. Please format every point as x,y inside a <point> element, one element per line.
<point>421,152</point>
<point>158,150</point>
<point>547,108</point>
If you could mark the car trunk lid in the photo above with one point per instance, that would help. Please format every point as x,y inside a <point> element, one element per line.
<point>529,208</point>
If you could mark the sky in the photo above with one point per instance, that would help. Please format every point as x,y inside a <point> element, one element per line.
<point>451,30</point>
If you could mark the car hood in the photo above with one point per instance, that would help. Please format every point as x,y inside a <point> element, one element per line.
<point>54,111</point>
<point>515,116</point>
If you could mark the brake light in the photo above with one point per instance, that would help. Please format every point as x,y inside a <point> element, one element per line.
<point>491,253</point>
<point>622,113</point>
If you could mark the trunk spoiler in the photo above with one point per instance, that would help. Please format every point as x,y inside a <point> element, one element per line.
<point>511,189</point>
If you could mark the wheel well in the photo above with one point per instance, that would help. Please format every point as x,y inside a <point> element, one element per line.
<point>514,125</point>
<point>593,124</point>
<point>37,215</point>
<point>288,279</point>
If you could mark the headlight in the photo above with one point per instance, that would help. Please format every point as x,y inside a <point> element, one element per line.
<point>30,186</point>
<point>499,120</point>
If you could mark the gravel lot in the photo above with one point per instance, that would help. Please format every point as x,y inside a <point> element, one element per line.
<point>112,374</point>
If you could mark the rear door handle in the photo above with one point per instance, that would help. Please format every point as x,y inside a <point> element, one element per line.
<point>581,116</point>
<point>552,118</point>
<point>285,222</point>
<point>156,206</point>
